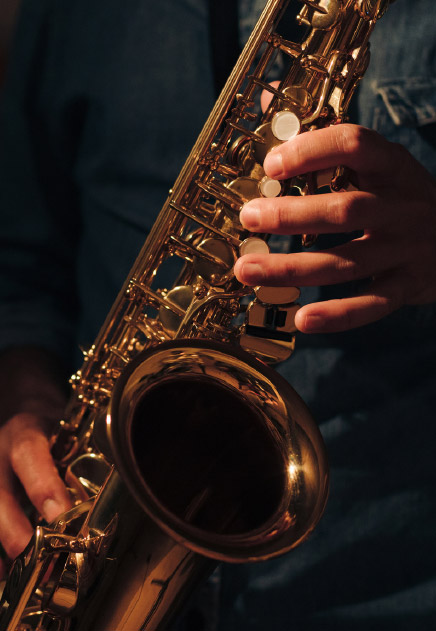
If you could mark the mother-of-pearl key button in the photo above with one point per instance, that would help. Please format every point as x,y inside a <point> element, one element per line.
<point>269,187</point>
<point>253,245</point>
<point>277,295</point>
<point>285,125</point>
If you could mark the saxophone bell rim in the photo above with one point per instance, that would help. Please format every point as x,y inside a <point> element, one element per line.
<point>289,428</point>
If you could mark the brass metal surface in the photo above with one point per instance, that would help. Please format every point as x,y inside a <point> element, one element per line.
<point>181,446</point>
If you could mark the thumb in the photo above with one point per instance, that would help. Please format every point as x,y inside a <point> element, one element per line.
<point>33,464</point>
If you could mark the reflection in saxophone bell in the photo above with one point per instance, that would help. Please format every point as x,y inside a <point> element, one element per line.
<point>181,445</point>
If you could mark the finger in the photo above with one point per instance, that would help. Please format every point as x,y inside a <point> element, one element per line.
<point>33,464</point>
<point>356,260</point>
<point>266,96</point>
<point>385,296</point>
<point>358,148</point>
<point>15,528</point>
<point>321,214</point>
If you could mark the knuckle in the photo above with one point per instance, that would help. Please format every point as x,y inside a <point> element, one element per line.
<point>288,278</point>
<point>347,320</point>
<point>356,139</point>
<point>295,152</point>
<point>347,269</point>
<point>341,209</point>
<point>388,303</point>
<point>280,216</point>
<point>351,138</point>
<point>285,272</point>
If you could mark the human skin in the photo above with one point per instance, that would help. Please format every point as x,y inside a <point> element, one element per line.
<point>394,209</point>
<point>32,392</point>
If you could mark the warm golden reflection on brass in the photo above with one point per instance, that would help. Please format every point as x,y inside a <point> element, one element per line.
<point>235,427</point>
<point>179,445</point>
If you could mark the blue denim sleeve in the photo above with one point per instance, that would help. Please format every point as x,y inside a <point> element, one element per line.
<point>39,227</point>
<point>397,97</point>
<point>370,562</point>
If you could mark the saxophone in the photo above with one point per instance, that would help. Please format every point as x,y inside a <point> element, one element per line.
<point>181,445</point>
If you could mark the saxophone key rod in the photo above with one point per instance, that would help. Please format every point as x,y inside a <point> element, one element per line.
<point>200,451</point>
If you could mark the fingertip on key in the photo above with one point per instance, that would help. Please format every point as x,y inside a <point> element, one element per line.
<point>250,216</point>
<point>51,509</point>
<point>250,273</point>
<point>273,164</point>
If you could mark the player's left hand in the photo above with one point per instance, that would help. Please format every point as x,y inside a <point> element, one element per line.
<point>394,208</point>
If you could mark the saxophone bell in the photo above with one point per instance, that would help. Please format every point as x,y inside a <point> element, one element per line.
<point>249,461</point>
<point>222,462</point>
<point>183,448</point>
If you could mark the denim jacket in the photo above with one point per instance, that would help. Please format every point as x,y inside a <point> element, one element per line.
<point>102,104</point>
<point>371,562</point>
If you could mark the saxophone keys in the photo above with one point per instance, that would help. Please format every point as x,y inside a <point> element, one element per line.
<point>269,187</point>
<point>333,179</point>
<point>180,297</point>
<point>87,474</point>
<point>270,328</point>
<point>277,295</point>
<point>260,150</point>
<point>275,322</point>
<point>285,125</point>
<point>216,266</point>
<point>372,9</point>
<point>299,98</point>
<point>246,188</point>
<point>270,351</point>
<point>341,180</point>
<point>316,6</point>
<point>253,245</point>
<point>323,179</point>
<point>321,14</point>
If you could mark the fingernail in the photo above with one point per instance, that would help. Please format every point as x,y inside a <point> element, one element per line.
<point>250,217</point>
<point>252,273</point>
<point>314,323</point>
<point>273,164</point>
<point>51,509</point>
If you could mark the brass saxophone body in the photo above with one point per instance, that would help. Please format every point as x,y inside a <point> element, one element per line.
<point>180,445</point>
